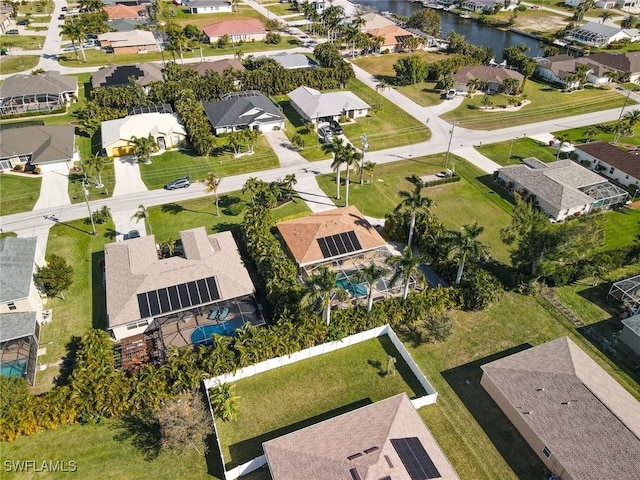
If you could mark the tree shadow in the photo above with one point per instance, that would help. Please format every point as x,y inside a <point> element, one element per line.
<point>143,431</point>
<point>68,361</point>
<point>173,208</point>
<point>495,189</point>
<point>465,381</point>
<point>378,366</point>
<point>99,303</point>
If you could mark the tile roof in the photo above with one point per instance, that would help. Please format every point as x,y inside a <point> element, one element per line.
<point>486,73</point>
<point>321,451</point>
<point>47,82</point>
<point>315,104</point>
<point>46,144</point>
<point>118,75</point>
<point>141,125</point>
<point>590,422</point>
<point>17,257</point>
<point>133,267</point>
<point>219,66</point>
<point>242,108</point>
<point>628,162</point>
<point>301,234</point>
<point>125,11</point>
<point>392,34</point>
<point>234,27</point>
<point>373,21</point>
<point>14,325</point>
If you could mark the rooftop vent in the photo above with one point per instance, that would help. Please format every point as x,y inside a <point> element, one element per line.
<point>354,474</point>
<point>354,456</point>
<point>371,450</point>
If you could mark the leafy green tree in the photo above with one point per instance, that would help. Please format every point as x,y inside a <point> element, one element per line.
<point>235,141</point>
<point>426,20</point>
<point>414,202</point>
<point>406,267</point>
<point>184,422</point>
<point>97,163</point>
<point>410,70</point>
<point>55,277</point>
<point>77,33</point>
<point>224,402</point>
<point>327,55</point>
<point>321,288</point>
<point>465,246</point>
<point>211,184</point>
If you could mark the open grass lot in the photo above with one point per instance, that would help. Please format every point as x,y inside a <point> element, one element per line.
<point>18,193</point>
<point>25,42</point>
<point>36,8</point>
<point>174,164</point>
<point>168,220</point>
<point>184,17</point>
<point>546,103</point>
<point>576,135</point>
<point>19,63</point>
<point>471,199</point>
<point>423,93</point>
<point>289,398</point>
<point>281,9</point>
<point>520,148</point>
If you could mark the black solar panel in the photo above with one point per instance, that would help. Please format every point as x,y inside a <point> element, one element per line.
<point>177,297</point>
<point>415,458</point>
<point>339,244</point>
<point>120,76</point>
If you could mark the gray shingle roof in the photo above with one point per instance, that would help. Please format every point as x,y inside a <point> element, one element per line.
<point>47,82</point>
<point>293,60</point>
<point>315,104</point>
<point>47,144</point>
<point>17,325</point>
<point>589,422</point>
<point>17,257</point>
<point>244,108</point>
<point>218,66</point>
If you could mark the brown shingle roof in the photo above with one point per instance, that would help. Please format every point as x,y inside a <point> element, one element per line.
<point>628,62</point>
<point>301,235</point>
<point>47,82</point>
<point>219,66</point>
<point>133,267</point>
<point>486,73</point>
<point>628,162</point>
<point>588,421</point>
<point>320,452</point>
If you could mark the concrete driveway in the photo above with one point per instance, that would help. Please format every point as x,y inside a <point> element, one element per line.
<point>54,192</point>
<point>128,178</point>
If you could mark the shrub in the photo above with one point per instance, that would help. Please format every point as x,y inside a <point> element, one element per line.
<point>18,167</point>
<point>237,208</point>
<point>478,289</point>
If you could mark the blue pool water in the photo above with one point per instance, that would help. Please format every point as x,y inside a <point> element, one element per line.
<point>14,368</point>
<point>202,335</point>
<point>356,290</point>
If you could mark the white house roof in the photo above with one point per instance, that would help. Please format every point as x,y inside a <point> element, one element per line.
<point>134,38</point>
<point>141,125</point>
<point>317,105</point>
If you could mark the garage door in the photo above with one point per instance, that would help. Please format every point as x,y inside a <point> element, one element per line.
<point>122,151</point>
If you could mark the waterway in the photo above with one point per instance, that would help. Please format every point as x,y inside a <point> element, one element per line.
<point>473,32</point>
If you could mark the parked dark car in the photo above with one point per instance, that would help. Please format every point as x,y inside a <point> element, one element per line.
<point>22,23</point>
<point>64,9</point>
<point>131,234</point>
<point>335,126</point>
<point>61,16</point>
<point>183,182</point>
<point>13,31</point>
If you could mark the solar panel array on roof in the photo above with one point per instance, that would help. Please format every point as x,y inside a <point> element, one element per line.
<point>339,244</point>
<point>177,297</point>
<point>415,458</point>
<point>163,108</point>
<point>120,76</point>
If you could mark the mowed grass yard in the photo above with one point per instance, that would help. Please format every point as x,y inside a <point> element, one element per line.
<point>19,63</point>
<point>18,193</point>
<point>289,398</point>
<point>513,152</point>
<point>546,103</point>
<point>576,135</point>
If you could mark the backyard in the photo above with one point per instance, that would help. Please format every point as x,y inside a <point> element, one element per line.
<point>18,193</point>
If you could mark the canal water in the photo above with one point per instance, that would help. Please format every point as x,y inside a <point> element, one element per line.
<point>473,32</point>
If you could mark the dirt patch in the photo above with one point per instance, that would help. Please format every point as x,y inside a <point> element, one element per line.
<point>541,23</point>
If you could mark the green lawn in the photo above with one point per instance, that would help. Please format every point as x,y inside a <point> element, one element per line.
<point>184,17</point>
<point>381,66</point>
<point>281,9</point>
<point>175,164</point>
<point>20,63</point>
<point>546,103</point>
<point>75,185</point>
<point>288,398</point>
<point>312,149</point>
<point>36,8</point>
<point>456,204</point>
<point>423,93</point>
<point>26,42</point>
<point>18,193</point>
<point>519,148</point>
<point>621,227</point>
<point>169,219</point>
<point>576,135</point>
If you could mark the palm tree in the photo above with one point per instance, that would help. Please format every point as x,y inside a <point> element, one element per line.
<point>406,267</point>
<point>605,16</point>
<point>336,147</point>
<point>97,164</point>
<point>414,201</point>
<point>465,246</point>
<point>561,141</point>
<point>224,402</point>
<point>143,147</point>
<point>369,167</point>
<point>381,87</point>
<point>75,30</point>
<point>211,184</point>
<point>369,274</point>
<point>590,132</point>
<point>91,5</point>
<point>629,22</point>
<point>351,158</point>
<point>632,117</point>
<point>321,289</point>
<point>472,85</point>
<point>143,214</point>
<point>358,22</point>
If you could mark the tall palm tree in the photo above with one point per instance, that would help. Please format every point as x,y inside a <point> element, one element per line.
<point>224,402</point>
<point>561,141</point>
<point>143,214</point>
<point>321,288</point>
<point>369,167</point>
<point>369,274</point>
<point>351,158</point>
<point>143,147</point>
<point>336,147</point>
<point>380,88</point>
<point>414,202</point>
<point>75,30</point>
<point>465,246</point>
<point>405,267</point>
<point>632,117</point>
<point>605,16</point>
<point>590,132</point>
<point>211,184</point>
<point>94,6</point>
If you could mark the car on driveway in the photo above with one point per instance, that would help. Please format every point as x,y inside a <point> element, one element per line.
<point>64,9</point>
<point>89,44</point>
<point>23,23</point>
<point>13,31</point>
<point>183,182</point>
<point>61,16</point>
<point>69,48</point>
<point>325,135</point>
<point>335,126</point>
<point>131,234</point>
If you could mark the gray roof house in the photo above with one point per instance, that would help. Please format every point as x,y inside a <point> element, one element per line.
<point>50,147</point>
<point>574,415</point>
<point>175,300</point>
<point>20,307</point>
<point>598,34</point>
<point>119,75</point>
<point>36,93</point>
<point>630,333</point>
<point>208,6</point>
<point>242,110</point>
<point>313,105</point>
<point>384,440</point>
<point>561,188</point>
<point>292,61</point>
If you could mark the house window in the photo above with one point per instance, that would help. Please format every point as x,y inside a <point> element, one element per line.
<point>611,170</point>
<point>12,306</point>
<point>626,177</point>
<point>546,452</point>
<point>139,324</point>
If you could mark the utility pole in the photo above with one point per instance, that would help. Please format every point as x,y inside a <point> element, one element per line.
<point>446,159</point>
<point>617,134</point>
<point>365,146</point>
<point>86,199</point>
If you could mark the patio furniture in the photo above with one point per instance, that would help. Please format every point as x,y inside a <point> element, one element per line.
<point>214,312</point>
<point>223,314</point>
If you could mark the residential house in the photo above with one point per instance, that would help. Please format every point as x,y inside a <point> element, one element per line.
<point>5,20</point>
<point>599,3</point>
<point>373,21</point>
<point>393,36</point>
<point>314,106</point>
<point>626,65</point>
<point>386,439</point>
<point>124,25</point>
<point>492,77</point>
<point>292,61</point>
<point>577,419</point>
<point>244,110</point>
<point>320,5</point>
<point>598,34</point>
<point>245,30</point>
<point>135,41</point>
<point>45,92</point>
<point>561,188</point>
<point>165,128</point>
<point>619,165</point>
<point>630,333</point>
<point>47,147</point>
<point>486,6</point>
<point>208,6</point>
<point>20,307</point>
<point>218,66</point>
<point>121,75</point>
<point>561,69</point>
<point>119,11</point>
<point>179,300</point>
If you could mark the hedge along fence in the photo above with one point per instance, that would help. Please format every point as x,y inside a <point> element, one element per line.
<point>273,363</point>
<point>442,181</point>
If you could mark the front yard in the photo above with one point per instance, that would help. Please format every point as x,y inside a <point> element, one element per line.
<point>25,42</point>
<point>18,193</point>
<point>18,63</point>
<point>520,148</point>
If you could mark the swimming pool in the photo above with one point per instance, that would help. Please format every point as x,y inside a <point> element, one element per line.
<point>14,368</point>
<point>354,289</point>
<point>202,335</point>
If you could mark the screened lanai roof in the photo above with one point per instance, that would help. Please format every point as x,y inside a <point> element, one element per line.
<point>605,194</point>
<point>587,36</point>
<point>628,292</point>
